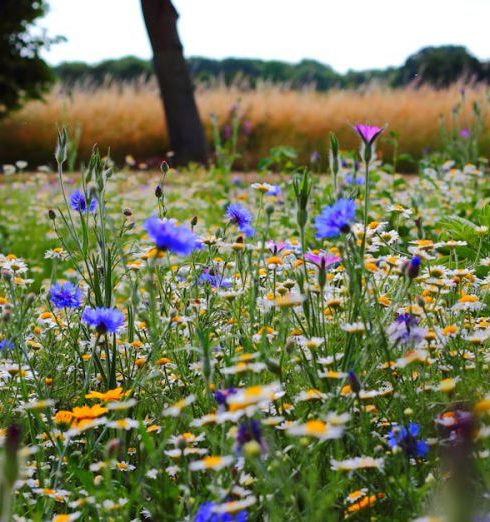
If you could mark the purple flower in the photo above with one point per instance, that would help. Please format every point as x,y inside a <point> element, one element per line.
<point>6,344</point>
<point>368,133</point>
<point>249,430</point>
<point>314,156</point>
<point>335,219</point>
<point>79,202</point>
<point>275,248</point>
<point>322,260</point>
<point>240,216</point>
<point>226,132</point>
<point>274,191</point>
<point>65,295</point>
<point>357,180</point>
<point>207,513</point>
<point>464,133</point>
<point>222,395</point>
<point>215,280</point>
<point>406,439</point>
<point>404,331</point>
<point>103,319</point>
<point>168,236</point>
<point>247,127</point>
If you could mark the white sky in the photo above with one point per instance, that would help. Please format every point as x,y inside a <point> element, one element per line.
<point>346,34</point>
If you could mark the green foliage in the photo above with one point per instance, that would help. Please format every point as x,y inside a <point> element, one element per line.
<point>24,75</point>
<point>439,67</point>
<point>436,66</point>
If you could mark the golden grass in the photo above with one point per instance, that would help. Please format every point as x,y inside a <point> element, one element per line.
<point>128,118</point>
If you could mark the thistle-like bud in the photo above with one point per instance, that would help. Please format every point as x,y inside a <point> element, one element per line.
<point>158,192</point>
<point>194,221</point>
<point>51,214</point>
<point>61,152</point>
<point>334,154</point>
<point>354,382</point>
<point>164,167</point>
<point>411,269</point>
<point>127,212</point>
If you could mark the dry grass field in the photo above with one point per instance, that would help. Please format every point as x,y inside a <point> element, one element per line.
<point>127,118</point>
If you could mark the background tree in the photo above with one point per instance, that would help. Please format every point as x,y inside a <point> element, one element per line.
<point>440,66</point>
<point>23,74</point>
<point>187,139</point>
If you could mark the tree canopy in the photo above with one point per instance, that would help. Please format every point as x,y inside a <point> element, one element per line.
<point>23,73</point>
<point>435,66</point>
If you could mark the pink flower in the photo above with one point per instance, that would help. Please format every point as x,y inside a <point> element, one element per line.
<point>322,260</point>
<point>368,133</point>
<point>275,248</point>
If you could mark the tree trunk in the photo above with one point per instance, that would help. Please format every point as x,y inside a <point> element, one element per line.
<point>187,139</point>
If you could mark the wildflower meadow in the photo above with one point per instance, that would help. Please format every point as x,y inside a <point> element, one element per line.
<point>200,345</point>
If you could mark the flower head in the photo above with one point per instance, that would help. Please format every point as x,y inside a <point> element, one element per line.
<point>65,295</point>
<point>103,319</point>
<point>321,260</point>
<point>169,236</point>
<point>215,280</point>
<point>249,431</point>
<point>79,202</point>
<point>368,133</point>
<point>406,439</point>
<point>335,219</point>
<point>405,331</point>
<point>6,344</point>
<point>207,512</point>
<point>240,216</point>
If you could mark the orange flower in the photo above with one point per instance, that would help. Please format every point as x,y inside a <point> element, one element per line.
<point>110,395</point>
<point>88,412</point>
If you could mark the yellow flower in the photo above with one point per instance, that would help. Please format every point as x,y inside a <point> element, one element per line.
<point>88,412</point>
<point>110,395</point>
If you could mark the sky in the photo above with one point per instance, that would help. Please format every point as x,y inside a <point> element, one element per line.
<point>346,34</point>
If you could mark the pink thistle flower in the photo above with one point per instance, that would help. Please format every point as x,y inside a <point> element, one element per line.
<point>322,260</point>
<point>368,133</point>
<point>275,248</point>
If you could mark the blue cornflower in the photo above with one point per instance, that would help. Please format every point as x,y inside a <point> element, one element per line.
<point>351,180</point>
<point>222,395</point>
<point>335,219</point>
<point>6,344</point>
<point>169,236</point>
<point>248,431</point>
<point>215,280</point>
<point>274,191</point>
<point>405,331</point>
<point>103,319</point>
<point>240,216</point>
<point>79,202</point>
<point>406,439</point>
<point>206,513</point>
<point>65,295</point>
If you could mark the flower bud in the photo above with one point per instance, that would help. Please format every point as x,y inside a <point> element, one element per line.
<point>158,192</point>
<point>269,209</point>
<point>354,382</point>
<point>164,167</point>
<point>51,214</point>
<point>252,449</point>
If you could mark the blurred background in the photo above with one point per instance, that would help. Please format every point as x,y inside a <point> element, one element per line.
<point>278,72</point>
